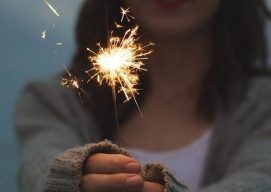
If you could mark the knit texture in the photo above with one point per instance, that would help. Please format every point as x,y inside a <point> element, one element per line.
<point>66,170</point>
<point>50,121</point>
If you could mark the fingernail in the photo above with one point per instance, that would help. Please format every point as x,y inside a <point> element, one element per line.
<point>133,167</point>
<point>134,182</point>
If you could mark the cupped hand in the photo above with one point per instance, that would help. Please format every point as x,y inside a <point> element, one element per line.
<point>114,173</point>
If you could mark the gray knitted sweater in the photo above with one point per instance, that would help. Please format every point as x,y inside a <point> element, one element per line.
<point>51,122</point>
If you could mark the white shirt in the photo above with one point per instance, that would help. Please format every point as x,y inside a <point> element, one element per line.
<point>186,163</point>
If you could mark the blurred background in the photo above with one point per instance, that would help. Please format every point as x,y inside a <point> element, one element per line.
<point>24,56</point>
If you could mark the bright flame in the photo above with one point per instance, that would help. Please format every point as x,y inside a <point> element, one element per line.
<point>51,7</point>
<point>120,62</point>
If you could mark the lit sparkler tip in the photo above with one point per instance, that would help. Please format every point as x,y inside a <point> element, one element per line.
<point>51,7</point>
<point>43,35</point>
<point>119,63</point>
<point>126,14</point>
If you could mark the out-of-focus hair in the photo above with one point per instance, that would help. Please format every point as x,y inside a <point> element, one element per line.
<point>241,54</point>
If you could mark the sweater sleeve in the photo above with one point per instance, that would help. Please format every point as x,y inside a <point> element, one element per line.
<point>248,168</point>
<point>49,120</point>
<point>66,170</point>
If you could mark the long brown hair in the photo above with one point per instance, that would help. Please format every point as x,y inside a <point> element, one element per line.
<point>241,51</point>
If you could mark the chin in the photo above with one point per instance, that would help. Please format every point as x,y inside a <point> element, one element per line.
<point>172,18</point>
<point>173,30</point>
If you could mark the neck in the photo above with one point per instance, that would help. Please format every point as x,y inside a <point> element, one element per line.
<point>177,70</point>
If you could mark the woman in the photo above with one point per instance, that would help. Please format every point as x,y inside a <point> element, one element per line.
<point>205,100</point>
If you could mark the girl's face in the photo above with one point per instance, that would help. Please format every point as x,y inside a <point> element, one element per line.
<point>173,18</point>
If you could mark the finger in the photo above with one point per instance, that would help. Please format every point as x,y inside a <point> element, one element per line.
<point>101,163</point>
<point>118,182</point>
<point>152,187</point>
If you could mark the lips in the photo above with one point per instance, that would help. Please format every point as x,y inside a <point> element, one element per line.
<point>169,4</point>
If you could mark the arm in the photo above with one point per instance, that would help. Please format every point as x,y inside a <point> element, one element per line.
<point>49,120</point>
<point>250,169</point>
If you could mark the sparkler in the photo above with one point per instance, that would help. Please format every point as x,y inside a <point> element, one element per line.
<point>119,63</point>
<point>51,7</point>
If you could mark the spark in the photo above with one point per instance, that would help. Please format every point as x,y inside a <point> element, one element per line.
<point>119,63</point>
<point>59,43</point>
<point>126,14</point>
<point>72,82</point>
<point>51,7</point>
<point>43,35</point>
<point>118,26</point>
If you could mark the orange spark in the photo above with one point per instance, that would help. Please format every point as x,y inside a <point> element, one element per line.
<point>72,82</point>
<point>126,14</point>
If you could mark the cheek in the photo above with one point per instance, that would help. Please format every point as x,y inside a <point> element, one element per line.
<point>190,16</point>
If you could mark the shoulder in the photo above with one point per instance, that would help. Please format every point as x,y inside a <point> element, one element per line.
<point>47,101</point>
<point>258,95</point>
<point>47,88</point>
<point>47,97</point>
<point>255,108</point>
<point>260,87</point>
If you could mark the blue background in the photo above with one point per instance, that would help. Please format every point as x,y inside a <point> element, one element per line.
<point>24,56</point>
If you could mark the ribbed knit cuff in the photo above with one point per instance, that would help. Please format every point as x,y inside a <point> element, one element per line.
<point>159,173</point>
<point>66,170</point>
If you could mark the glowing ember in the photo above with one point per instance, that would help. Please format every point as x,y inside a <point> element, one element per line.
<point>43,35</point>
<point>72,82</point>
<point>118,26</point>
<point>120,62</point>
<point>126,14</point>
<point>51,7</point>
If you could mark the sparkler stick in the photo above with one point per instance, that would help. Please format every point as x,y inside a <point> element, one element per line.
<point>51,7</point>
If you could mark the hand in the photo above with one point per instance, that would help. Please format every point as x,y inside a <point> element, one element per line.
<point>152,187</point>
<point>114,173</point>
<point>111,172</point>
